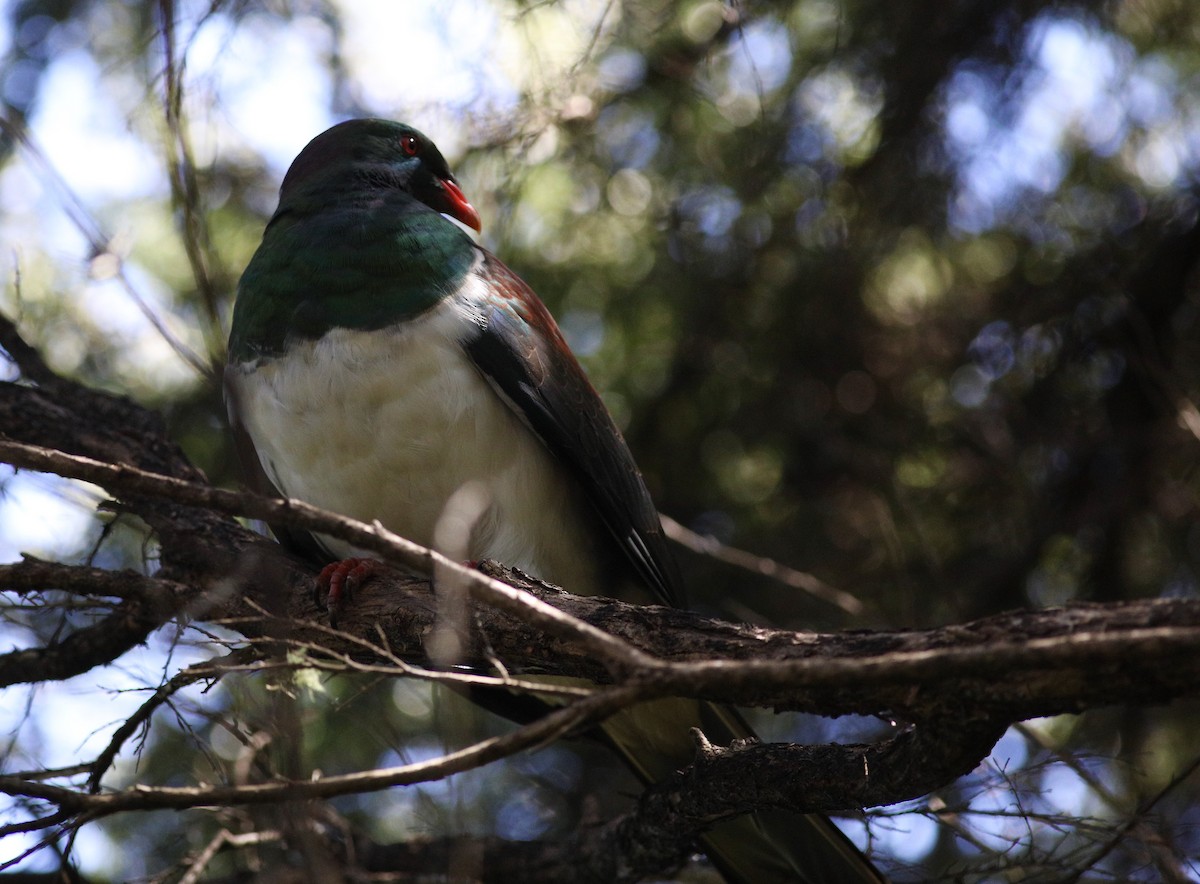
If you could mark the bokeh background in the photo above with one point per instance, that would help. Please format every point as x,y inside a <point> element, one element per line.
<point>898,294</point>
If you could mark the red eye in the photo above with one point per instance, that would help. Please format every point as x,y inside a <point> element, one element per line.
<point>409,144</point>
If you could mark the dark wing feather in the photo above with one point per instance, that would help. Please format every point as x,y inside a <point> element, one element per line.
<point>521,352</point>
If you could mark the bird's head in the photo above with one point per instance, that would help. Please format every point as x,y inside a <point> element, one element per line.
<point>377,154</point>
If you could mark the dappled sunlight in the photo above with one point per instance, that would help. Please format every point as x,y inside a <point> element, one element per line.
<point>1084,87</point>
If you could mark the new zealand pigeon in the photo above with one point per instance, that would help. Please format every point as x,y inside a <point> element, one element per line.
<point>379,359</point>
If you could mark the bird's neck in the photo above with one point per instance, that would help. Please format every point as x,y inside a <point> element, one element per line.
<point>364,264</point>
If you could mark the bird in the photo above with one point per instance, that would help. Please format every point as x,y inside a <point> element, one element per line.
<point>379,359</point>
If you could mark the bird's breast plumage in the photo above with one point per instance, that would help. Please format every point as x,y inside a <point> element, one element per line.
<point>388,424</point>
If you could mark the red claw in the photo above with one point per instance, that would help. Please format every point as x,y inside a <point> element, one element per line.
<point>339,580</point>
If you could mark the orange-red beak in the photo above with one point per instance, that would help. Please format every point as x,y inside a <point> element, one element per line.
<point>459,207</point>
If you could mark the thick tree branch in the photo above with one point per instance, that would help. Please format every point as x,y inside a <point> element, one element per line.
<point>1016,665</point>
<point>775,665</point>
<point>146,604</point>
<point>660,830</point>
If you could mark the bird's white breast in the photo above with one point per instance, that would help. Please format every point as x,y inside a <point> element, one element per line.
<point>389,424</point>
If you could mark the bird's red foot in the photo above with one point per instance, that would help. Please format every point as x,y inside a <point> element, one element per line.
<point>338,581</point>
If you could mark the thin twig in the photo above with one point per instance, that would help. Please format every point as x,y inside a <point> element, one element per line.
<point>1136,820</point>
<point>246,839</point>
<point>756,564</point>
<point>100,244</point>
<point>185,190</point>
<point>556,724</point>
<point>340,662</point>
<point>209,669</point>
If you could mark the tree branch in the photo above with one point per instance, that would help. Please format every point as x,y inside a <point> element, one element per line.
<point>146,604</point>
<point>128,480</point>
<point>555,724</point>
